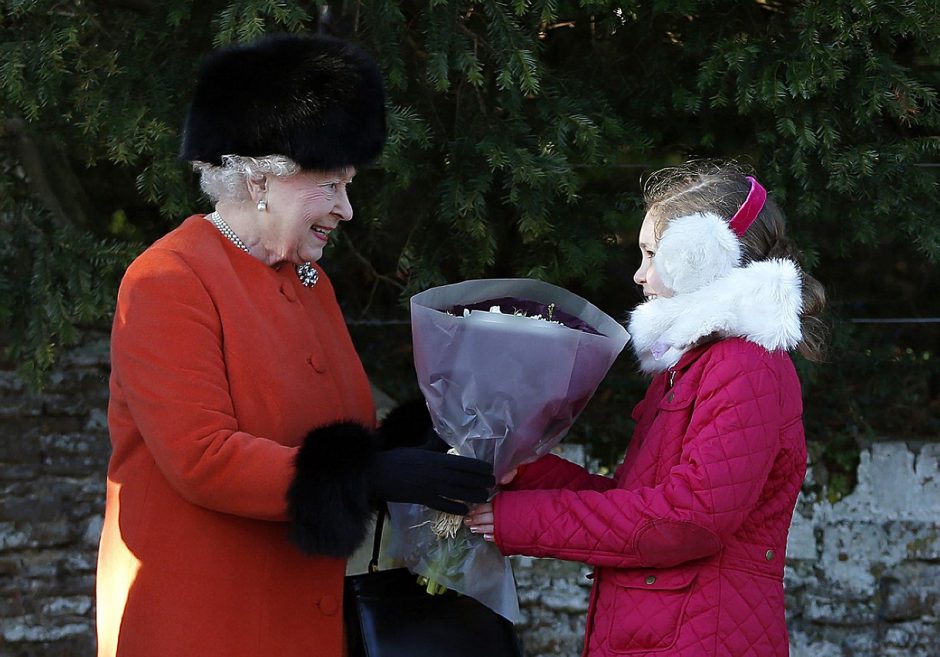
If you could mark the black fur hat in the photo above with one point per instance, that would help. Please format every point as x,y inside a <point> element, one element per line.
<point>316,99</point>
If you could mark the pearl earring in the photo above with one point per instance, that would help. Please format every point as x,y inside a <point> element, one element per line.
<point>262,204</point>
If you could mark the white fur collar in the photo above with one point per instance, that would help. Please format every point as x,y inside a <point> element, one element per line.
<point>760,303</point>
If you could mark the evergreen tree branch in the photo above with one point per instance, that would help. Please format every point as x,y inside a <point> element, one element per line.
<point>375,273</point>
<point>141,6</point>
<point>51,180</point>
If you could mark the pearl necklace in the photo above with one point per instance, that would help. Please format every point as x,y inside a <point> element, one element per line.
<point>306,272</point>
<point>227,231</point>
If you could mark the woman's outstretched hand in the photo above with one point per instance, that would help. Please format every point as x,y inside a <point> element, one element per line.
<point>441,481</point>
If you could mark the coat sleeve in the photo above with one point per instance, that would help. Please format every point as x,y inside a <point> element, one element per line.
<point>728,451</point>
<point>166,349</point>
<point>554,472</point>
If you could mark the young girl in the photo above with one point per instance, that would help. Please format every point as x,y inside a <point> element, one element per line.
<point>688,537</point>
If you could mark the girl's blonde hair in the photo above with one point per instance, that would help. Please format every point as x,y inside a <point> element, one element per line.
<point>721,188</point>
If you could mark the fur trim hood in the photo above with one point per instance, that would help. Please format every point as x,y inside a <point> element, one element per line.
<point>760,302</point>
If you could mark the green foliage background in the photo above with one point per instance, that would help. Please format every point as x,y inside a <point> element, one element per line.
<point>519,132</point>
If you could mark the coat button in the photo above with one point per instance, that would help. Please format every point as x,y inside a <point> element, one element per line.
<point>651,579</point>
<point>328,605</point>
<point>768,555</point>
<point>315,364</point>
<point>671,396</point>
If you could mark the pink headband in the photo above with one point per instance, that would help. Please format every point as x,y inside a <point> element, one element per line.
<point>748,212</point>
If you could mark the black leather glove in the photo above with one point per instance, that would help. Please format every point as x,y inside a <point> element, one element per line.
<point>419,476</point>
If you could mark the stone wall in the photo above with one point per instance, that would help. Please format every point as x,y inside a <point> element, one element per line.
<point>53,457</point>
<point>863,574</point>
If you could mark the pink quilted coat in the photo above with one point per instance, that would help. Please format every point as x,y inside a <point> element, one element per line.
<point>689,536</point>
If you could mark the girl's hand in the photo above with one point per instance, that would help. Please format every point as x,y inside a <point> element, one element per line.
<point>508,477</point>
<point>480,520</point>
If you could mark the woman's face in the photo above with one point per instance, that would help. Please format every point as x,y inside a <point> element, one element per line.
<point>303,210</point>
<point>646,275</point>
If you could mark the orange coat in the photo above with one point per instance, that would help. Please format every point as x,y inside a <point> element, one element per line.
<point>220,367</point>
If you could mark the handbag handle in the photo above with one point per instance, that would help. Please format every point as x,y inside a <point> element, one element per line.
<point>377,540</point>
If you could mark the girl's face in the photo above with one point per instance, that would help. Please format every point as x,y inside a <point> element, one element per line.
<point>646,275</point>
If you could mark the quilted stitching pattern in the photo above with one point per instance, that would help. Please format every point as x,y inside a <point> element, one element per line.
<point>706,489</point>
<point>552,472</point>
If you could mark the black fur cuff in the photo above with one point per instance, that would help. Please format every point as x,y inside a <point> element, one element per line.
<point>408,425</point>
<point>328,500</point>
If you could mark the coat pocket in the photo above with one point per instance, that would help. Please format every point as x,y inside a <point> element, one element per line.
<point>648,608</point>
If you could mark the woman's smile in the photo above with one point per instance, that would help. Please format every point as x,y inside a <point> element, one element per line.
<point>321,233</point>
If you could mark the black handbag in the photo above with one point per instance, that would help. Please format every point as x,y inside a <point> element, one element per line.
<point>389,615</point>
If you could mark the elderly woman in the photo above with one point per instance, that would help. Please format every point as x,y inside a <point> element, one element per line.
<point>246,463</point>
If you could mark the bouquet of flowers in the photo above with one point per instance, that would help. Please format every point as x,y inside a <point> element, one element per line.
<point>506,366</point>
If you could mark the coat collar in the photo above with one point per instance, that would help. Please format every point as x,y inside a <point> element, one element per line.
<point>760,303</point>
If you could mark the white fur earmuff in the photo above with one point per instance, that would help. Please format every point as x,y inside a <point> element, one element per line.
<point>695,250</point>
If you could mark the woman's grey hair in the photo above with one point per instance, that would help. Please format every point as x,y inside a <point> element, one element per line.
<point>226,182</point>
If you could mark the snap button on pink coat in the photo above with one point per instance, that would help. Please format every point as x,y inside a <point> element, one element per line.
<point>680,535</point>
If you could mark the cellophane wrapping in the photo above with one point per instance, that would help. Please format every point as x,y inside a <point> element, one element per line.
<point>503,388</point>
